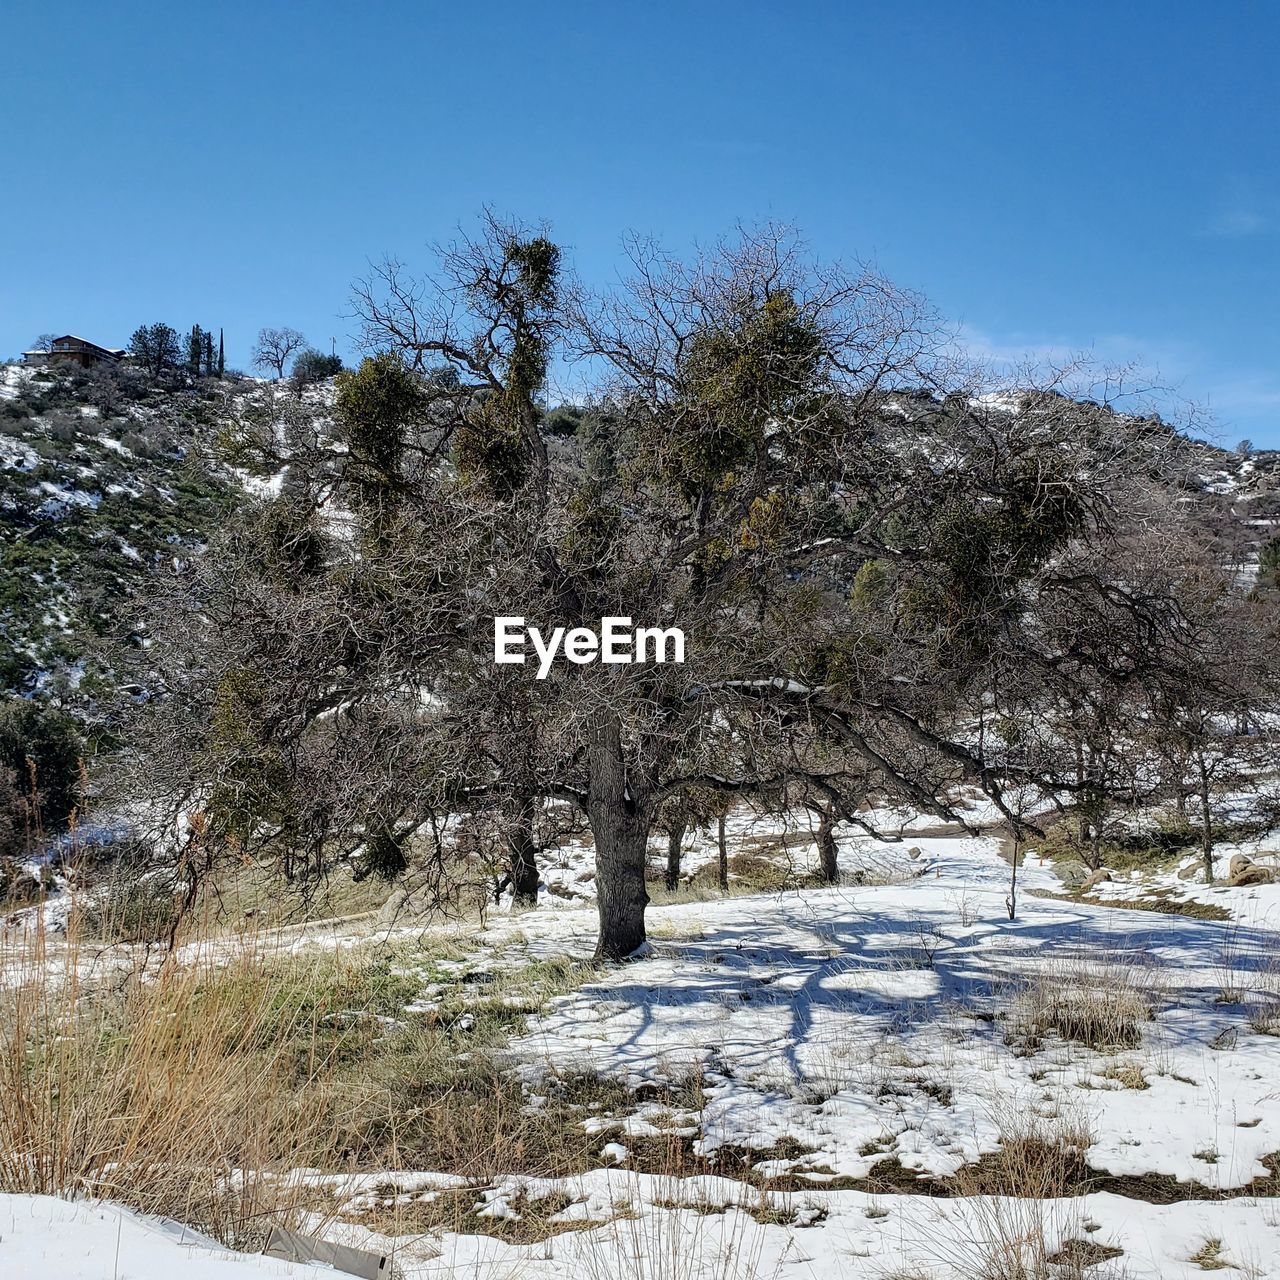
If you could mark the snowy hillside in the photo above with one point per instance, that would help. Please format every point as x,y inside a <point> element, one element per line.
<point>101,485</point>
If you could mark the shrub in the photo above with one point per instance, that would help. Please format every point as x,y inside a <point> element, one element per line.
<point>313,366</point>
<point>563,420</point>
<point>22,884</point>
<point>1269,562</point>
<point>133,905</point>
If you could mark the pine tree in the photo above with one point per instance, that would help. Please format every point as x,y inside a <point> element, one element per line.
<point>156,347</point>
<point>195,344</point>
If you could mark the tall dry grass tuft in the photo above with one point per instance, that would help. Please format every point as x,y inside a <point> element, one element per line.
<point>180,1089</point>
<point>1102,1006</point>
<point>670,1239</point>
<point>1263,998</point>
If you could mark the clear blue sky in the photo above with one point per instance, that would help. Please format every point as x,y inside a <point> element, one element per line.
<point>1075,175</point>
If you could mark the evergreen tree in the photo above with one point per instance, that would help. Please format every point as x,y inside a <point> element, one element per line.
<point>195,345</point>
<point>40,754</point>
<point>155,347</point>
<point>310,367</point>
<point>222,355</point>
<point>208,353</point>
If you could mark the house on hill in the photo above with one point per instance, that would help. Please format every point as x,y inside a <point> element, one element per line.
<point>73,350</point>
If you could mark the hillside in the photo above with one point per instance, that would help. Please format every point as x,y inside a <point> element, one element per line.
<point>105,481</point>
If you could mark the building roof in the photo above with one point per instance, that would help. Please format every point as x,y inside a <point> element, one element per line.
<point>84,342</point>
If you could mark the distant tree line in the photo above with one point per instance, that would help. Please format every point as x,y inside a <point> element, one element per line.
<point>158,348</point>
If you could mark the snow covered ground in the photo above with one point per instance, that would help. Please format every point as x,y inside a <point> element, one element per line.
<point>42,1238</point>
<point>859,1052</point>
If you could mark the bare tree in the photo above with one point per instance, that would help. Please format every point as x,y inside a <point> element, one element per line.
<point>868,557</point>
<point>1211,715</point>
<point>274,347</point>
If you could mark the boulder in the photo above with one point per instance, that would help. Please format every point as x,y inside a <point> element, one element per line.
<point>1192,871</point>
<point>1092,882</point>
<point>1239,862</point>
<point>1072,874</point>
<point>1251,874</point>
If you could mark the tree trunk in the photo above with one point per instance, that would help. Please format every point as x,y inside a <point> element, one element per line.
<point>675,838</point>
<point>1082,819</point>
<point>723,868</point>
<point>1206,825</point>
<point>827,847</point>
<point>524,864</point>
<point>619,814</point>
<point>1011,902</point>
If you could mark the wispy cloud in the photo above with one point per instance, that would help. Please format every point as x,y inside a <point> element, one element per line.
<point>1016,351</point>
<point>1258,394</point>
<point>1176,379</point>
<point>1240,212</point>
<point>1235,224</point>
<point>1157,365</point>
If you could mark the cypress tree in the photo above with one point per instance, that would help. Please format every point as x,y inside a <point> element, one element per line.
<point>222,355</point>
<point>208,353</point>
<point>194,347</point>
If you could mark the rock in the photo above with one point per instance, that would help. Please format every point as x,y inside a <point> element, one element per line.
<point>1192,871</point>
<point>409,905</point>
<point>1251,874</point>
<point>395,910</point>
<point>1239,862</point>
<point>1072,874</point>
<point>914,851</point>
<point>1092,882</point>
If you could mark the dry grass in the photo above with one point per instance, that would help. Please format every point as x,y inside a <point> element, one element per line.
<point>1018,1221</point>
<point>187,1083</point>
<point>181,1090</point>
<point>1103,1006</point>
<point>674,1244</point>
<point>1209,1256</point>
<point>1040,1157</point>
<point>1126,1073</point>
<point>460,1211</point>
<point>1263,999</point>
